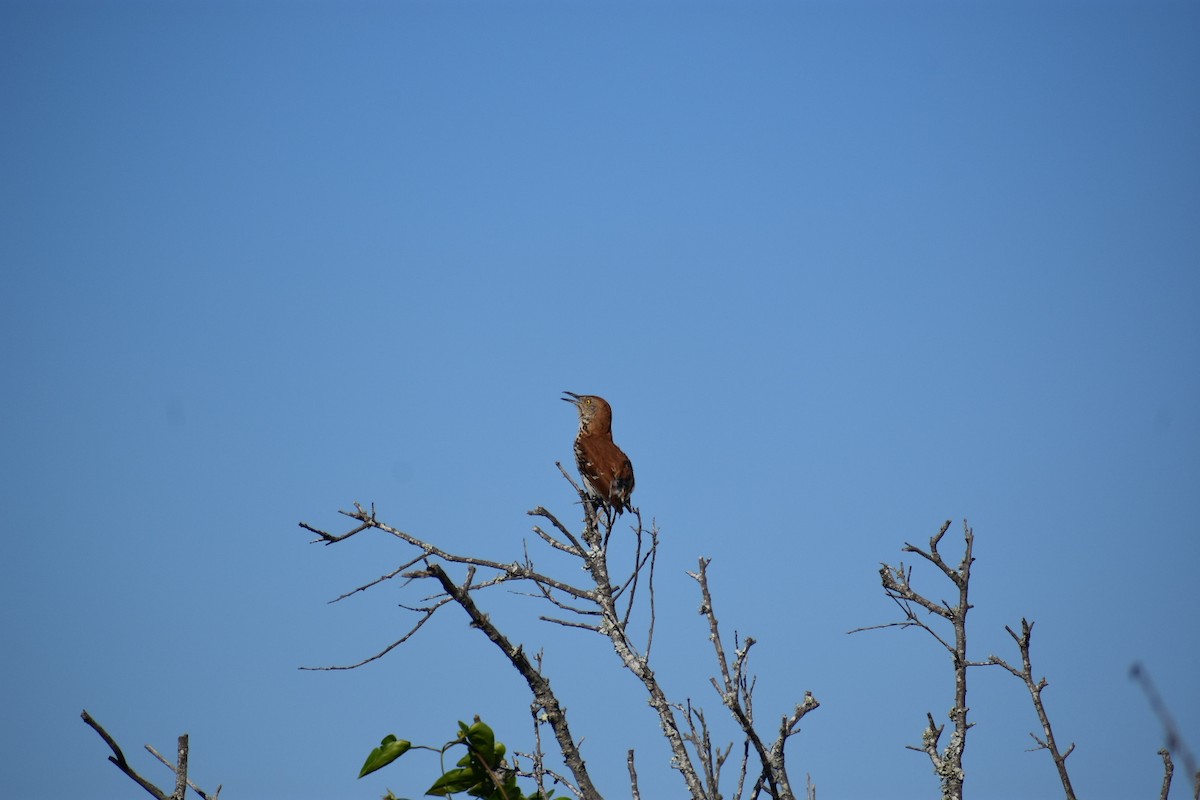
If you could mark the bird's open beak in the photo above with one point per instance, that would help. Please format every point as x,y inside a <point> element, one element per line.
<point>574,398</point>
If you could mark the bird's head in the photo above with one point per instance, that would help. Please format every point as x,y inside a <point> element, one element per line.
<point>595,414</point>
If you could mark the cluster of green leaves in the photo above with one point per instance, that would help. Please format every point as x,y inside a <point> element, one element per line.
<point>481,772</point>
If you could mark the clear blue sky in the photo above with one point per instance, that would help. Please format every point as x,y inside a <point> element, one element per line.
<point>844,270</point>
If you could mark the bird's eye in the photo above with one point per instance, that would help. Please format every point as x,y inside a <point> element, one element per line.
<point>587,402</point>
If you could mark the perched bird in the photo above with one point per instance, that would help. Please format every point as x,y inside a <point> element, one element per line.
<point>606,471</point>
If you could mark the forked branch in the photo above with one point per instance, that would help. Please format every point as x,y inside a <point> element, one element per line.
<point>538,684</point>
<point>897,585</point>
<point>736,690</point>
<point>179,768</point>
<point>1025,675</point>
<point>604,604</point>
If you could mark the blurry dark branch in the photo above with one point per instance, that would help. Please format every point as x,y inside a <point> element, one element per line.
<point>180,768</point>
<point>736,691</point>
<point>1025,675</point>
<point>897,585</point>
<point>1174,741</point>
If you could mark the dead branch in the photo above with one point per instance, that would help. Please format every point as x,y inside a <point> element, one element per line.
<point>603,604</point>
<point>1168,773</point>
<point>711,758</point>
<point>538,684</point>
<point>897,585</point>
<point>596,563</point>
<point>634,792</point>
<point>1025,675</point>
<point>736,691</point>
<point>511,571</point>
<point>387,577</point>
<point>180,768</point>
<point>427,613</point>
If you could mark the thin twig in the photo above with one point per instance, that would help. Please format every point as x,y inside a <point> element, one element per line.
<point>427,614</point>
<point>634,792</point>
<point>1168,773</point>
<point>542,512</point>
<point>1025,675</point>
<point>378,580</point>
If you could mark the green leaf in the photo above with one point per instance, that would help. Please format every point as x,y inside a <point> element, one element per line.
<point>456,780</point>
<point>482,740</point>
<point>388,751</point>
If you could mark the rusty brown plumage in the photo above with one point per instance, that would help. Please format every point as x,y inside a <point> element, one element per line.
<point>606,471</point>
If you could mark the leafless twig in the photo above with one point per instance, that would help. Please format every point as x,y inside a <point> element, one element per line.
<point>1025,675</point>
<point>426,614</point>
<point>634,792</point>
<point>736,691</point>
<point>180,768</point>
<point>1168,773</point>
<point>897,585</point>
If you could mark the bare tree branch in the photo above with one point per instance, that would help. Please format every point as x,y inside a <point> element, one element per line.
<point>634,792</point>
<point>406,565</point>
<point>538,684</point>
<point>1025,675</point>
<point>736,691</point>
<point>542,512</point>
<point>596,564</point>
<point>118,758</point>
<point>711,758</point>
<point>179,769</point>
<point>1174,741</point>
<point>604,604</point>
<point>897,585</point>
<point>1168,773</point>
<point>427,613</point>
<point>171,767</point>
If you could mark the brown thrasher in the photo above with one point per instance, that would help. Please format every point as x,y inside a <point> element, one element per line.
<point>606,471</point>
